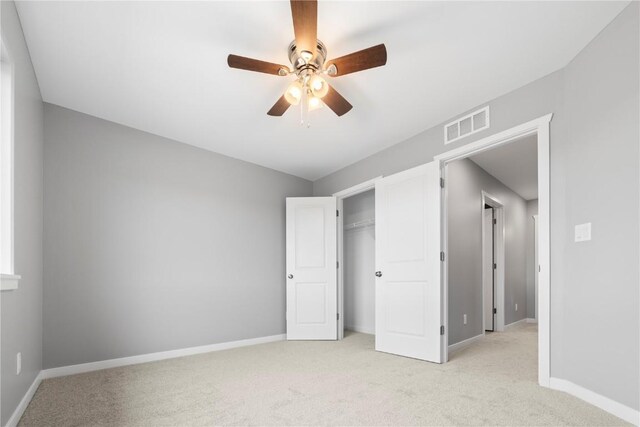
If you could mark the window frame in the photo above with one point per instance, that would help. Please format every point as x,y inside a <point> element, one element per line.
<point>9,280</point>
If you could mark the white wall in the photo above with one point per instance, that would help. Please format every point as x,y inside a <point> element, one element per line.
<point>21,309</point>
<point>465,183</point>
<point>154,245</point>
<point>359,264</point>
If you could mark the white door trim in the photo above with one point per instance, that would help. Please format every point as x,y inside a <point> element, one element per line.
<point>357,189</point>
<point>340,196</point>
<point>539,126</point>
<point>535,264</point>
<point>498,259</point>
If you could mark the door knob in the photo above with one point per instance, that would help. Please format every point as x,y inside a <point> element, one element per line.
<point>378,273</point>
<point>290,276</point>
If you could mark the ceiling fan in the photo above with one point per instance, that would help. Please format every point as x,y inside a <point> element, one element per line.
<point>309,63</point>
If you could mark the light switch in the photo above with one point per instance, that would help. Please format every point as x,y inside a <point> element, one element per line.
<point>583,232</point>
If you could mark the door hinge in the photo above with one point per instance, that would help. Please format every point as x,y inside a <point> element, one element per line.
<point>495,221</point>
<point>441,256</point>
<point>337,316</point>
<point>495,265</point>
<point>442,330</point>
<point>337,213</point>
<point>337,264</point>
<point>495,310</point>
<point>441,182</point>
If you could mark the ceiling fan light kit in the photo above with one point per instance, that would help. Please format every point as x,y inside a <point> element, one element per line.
<point>308,57</point>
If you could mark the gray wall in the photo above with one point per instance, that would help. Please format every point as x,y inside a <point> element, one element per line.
<point>466,181</point>
<point>532,209</point>
<point>359,263</point>
<point>599,316</point>
<point>153,245</point>
<point>529,102</point>
<point>593,166</point>
<point>534,100</point>
<point>21,310</point>
<point>113,192</point>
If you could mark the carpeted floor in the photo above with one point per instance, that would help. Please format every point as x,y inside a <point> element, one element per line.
<point>319,383</point>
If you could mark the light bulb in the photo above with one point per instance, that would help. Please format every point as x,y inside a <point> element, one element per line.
<point>318,86</point>
<point>314,103</point>
<point>293,93</point>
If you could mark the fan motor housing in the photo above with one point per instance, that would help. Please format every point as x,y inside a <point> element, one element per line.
<point>300,65</point>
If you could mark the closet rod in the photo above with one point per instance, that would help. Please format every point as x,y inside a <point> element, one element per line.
<point>359,224</point>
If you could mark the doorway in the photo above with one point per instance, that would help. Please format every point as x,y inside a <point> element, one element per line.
<point>492,263</point>
<point>538,129</point>
<point>407,277</point>
<point>356,257</point>
<point>488,267</point>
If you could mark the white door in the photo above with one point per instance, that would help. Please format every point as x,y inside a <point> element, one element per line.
<point>487,268</point>
<point>312,302</point>
<point>408,290</point>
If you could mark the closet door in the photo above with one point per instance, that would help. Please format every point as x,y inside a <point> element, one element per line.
<point>408,289</point>
<point>312,303</point>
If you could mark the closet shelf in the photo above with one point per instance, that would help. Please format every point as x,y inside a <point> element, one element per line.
<point>359,224</point>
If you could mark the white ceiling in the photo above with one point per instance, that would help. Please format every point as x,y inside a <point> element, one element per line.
<point>161,67</point>
<point>515,165</point>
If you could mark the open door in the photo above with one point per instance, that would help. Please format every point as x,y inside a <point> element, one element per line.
<point>408,289</point>
<point>312,302</point>
<point>488,270</point>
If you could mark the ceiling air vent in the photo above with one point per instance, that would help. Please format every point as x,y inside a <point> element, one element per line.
<point>467,125</point>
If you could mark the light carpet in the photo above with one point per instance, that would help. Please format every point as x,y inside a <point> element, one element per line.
<point>346,382</point>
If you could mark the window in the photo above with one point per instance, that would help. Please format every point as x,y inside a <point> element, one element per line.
<point>9,280</point>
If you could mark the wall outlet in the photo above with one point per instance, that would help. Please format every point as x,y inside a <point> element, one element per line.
<point>516,306</point>
<point>18,363</point>
<point>464,319</point>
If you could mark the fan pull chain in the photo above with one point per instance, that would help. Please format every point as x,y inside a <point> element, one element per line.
<point>304,110</point>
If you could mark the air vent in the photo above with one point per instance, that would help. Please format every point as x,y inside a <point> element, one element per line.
<point>467,125</point>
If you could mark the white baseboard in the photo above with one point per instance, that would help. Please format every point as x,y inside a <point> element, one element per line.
<point>360,329</point>
<point>124,361</point>
<point>22,406</point>
<point>463,344</point>
<point>630,415</point>
<point>517,322</point>
<point>529,320</point>
<point>152,357</point>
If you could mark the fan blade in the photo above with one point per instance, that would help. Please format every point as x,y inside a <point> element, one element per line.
<point>279,107</point>
<point>375,56</point>
<point>336,102</point>
<point>249,64</point>
<point>305,24</point>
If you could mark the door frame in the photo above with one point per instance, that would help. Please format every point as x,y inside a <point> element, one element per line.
<point>498,256</point>
<point>541,128</point>
<point>535,263</point>
<point>340,196</point>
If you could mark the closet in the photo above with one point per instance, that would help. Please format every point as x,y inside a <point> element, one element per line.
<point>359,262</point>
<point>369,262</point>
